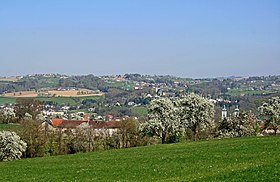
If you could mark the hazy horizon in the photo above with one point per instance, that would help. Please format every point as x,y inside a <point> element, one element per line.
<point>190,39</point>
<point>226,76</point>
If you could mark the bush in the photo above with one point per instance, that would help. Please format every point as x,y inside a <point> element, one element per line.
<point>11,146</point>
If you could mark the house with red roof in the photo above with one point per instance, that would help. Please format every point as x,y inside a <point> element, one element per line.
<point>111,126</point>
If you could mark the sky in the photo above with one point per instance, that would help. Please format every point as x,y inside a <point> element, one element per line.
<point>186,38</point>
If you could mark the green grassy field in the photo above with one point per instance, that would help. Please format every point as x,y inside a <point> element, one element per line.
<point>58,100</point>
<point>91,97</point>
<point>123,85</point>
<point>7,100</point>
<point>239,159</point>
<point>240,92</point>
<point>10,127</point>
<point>142,111</point>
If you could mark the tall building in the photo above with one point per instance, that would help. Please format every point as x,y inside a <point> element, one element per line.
<point>224,113</point>
<point>236,111</point>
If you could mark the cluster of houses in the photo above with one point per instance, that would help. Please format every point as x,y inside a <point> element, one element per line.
<point>75,120</point>
<point>110,126</point>
<point>101,123</point>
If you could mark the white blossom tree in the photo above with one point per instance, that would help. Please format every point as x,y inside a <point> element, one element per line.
<point>7,115</point>
<point>169,117</point>
<point>196,113</point>
<point>245,124</point>
<point>11,146</point>
<point>163,119</point>
<point>271,112</point>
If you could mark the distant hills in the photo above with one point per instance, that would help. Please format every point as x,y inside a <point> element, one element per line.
<point>131,90</point>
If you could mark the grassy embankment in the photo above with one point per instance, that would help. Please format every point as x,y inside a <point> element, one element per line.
<point>239,159</point>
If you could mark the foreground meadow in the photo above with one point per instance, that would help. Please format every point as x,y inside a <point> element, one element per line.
<point>239,159</point>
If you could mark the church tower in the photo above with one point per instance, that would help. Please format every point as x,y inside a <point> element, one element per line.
<point>224,113</point>
<point>236,111</point>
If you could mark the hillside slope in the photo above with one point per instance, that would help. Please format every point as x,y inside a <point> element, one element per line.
<point>240,159</point>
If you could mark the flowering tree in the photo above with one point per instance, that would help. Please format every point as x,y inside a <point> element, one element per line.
<point>11,146</point>
<point>171,117</point>
<point>245,124</point>
<point>271,112</point>
<point>196,113</point>
<point>9,115</point>
<point>163,120</point>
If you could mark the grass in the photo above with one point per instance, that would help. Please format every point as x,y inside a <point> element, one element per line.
<point>140,110</point>
<point>241,92</point>
<point>90,97</point>
<point>7,100</point>
<point>122,84</point>
<point>58,100</point>
<point>239,159</point>
<point>9,127</point>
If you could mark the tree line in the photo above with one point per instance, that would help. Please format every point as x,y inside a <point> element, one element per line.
<point>169,120</point>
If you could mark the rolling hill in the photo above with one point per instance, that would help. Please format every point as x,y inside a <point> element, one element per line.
<point>239,159</point>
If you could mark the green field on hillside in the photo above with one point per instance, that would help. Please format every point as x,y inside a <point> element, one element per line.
<point>11,126</point>
<point>241,92</point>
<point>141,110</point>
<point>239,159</point>
<point>122,84</point>
<point>7,100</point>
<point>58,100</point>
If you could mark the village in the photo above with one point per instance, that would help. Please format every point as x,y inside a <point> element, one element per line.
<point>108,111</point>
<point>139,90</point>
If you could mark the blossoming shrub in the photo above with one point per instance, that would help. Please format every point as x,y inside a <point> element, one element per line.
<point>11,146</point>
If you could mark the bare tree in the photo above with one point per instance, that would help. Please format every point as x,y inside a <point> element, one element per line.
<point>27,105</point>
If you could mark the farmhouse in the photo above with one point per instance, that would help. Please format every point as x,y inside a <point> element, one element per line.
<point>111,126</point>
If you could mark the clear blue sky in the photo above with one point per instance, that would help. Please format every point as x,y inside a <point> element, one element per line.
<point>188,38</point>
